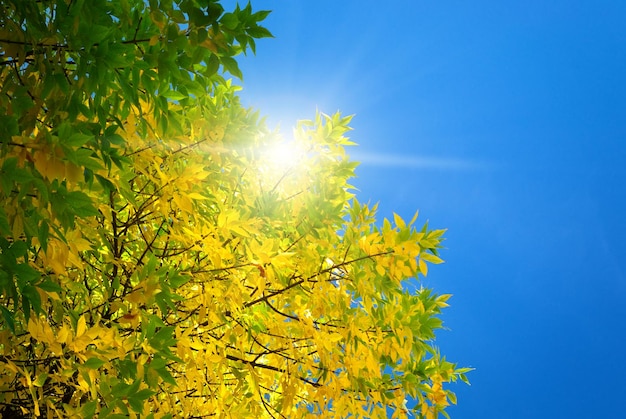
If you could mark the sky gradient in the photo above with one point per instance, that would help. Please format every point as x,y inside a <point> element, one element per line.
<point>504,122</point>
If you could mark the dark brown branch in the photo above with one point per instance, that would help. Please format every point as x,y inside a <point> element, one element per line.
<point>302,281</point>
<point>269,367</point>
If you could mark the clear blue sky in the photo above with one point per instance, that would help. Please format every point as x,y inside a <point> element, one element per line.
<point>504,122</point>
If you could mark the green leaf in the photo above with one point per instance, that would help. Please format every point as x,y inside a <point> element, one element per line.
<point>50,286</point>
<point>94,363</point>
<point>166,376</point>
<point>136,404</point>
<point>163,338</point>
<point>40,380</point>
<point>89,409</point>
<point>34,299</point>
<point>8,318</point>
<point>144,394</point>
<point>106,184</point>
<point>174,95</point>
<point>80,204</point>
<point>21,100</point>
<point>259,32</point>
<point>230,21</point>
<point>137,400</point>
<point>198,18</point>
<point>122,389</point>
<point>25,274</point>
<point>77,139</point>
<point>5,229</point>
<point>260,15</point>
<point>7,173</point>
<point>231,66</point>
<point>26,307</point>
<point>212,65</point>
<point>8,127</point>
<point>83,157</point>
<point>43,234</point>
<point>177,280</point>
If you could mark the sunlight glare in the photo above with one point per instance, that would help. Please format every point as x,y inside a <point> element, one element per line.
<point>281,159</point>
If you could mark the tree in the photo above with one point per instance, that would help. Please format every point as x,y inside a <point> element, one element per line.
<point>155,259</point>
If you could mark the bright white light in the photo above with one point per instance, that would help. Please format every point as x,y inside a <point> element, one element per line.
<point>283,156</point>
<point>281,160</point>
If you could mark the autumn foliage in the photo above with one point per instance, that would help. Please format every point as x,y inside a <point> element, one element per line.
<point>156,260</point>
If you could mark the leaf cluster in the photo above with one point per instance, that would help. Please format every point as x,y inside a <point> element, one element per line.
<point>155,262</point>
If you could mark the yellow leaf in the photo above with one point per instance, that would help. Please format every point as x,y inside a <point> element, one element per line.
<point>429,257</point>
<point>441,300</point>
<point>184,203</point>
<point>33,329</point>
<point>74,173</point>
<point>210,46</point>
<point>196,196</point>
<point>239,230</point>
<point>138,296</point>
<point>398,221</point>
<point>380,269</point>
<point>63,334</point>
<point>81,326</point>
<point>423,267</point>
<point>252,378</point>
<point>215,358</point>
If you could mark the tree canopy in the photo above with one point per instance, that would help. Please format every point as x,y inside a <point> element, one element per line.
<point>156,258</point>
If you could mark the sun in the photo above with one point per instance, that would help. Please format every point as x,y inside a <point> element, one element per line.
<point>281,159</point>
<point>284,155</point>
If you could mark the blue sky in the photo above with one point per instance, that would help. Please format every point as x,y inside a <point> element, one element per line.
<point>504,122</point>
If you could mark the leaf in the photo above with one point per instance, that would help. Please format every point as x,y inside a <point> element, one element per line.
<point>40,380</point>
<point>77,139</point>
<point>88,410</point>
<point>25,273</point>
<point>398,221</point>
<point>259,32</point>
<point>80,204</point>
<point>231,66</point>
<point>260,15</point>
<point>431,258</point>
<point>93,363</point>
<point>8,318</point>
<point>174,95</point>
<point>144,394</point>
<point>81,326</point>
<point>423,267</point>
<point>50,286</point>
<point>8,126</point>
<point>5,229</point>
<point>31,298</point>
<point>230,21</point>
<point>135,403</point>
